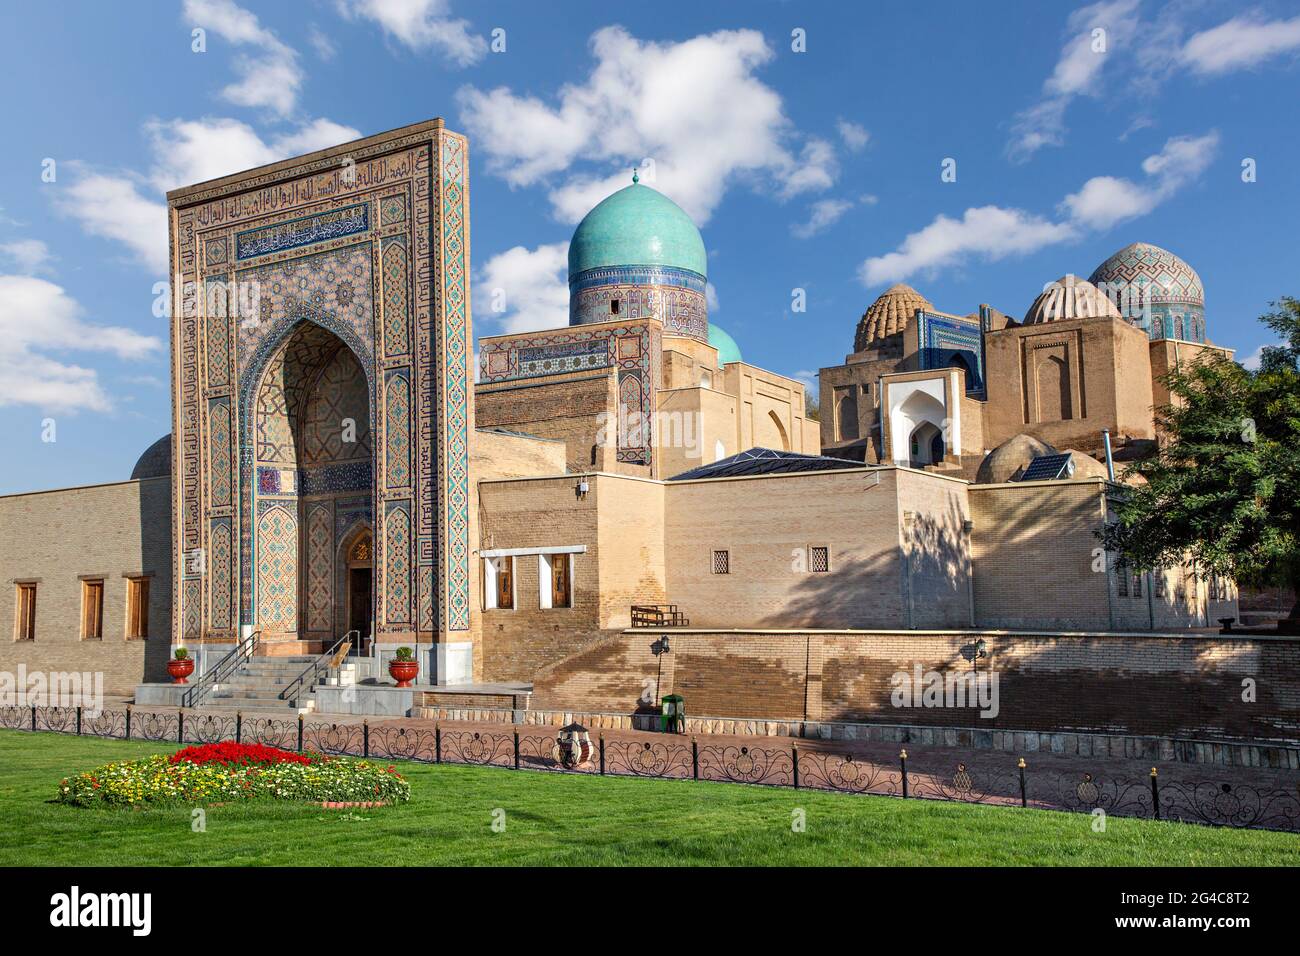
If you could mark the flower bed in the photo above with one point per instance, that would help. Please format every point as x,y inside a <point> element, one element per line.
<point>160,779</point>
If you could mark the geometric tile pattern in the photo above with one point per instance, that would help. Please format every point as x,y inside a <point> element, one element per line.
<point>397,319</point>
<point>946,341</point>
<point>320,567</point>
<point>220,575</point>
<point>1155,290</point>
<point>397,439</point>
<point>277,569</point>
<point>397,564</point>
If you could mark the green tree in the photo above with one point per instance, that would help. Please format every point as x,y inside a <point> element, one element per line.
<point>1223,487</point>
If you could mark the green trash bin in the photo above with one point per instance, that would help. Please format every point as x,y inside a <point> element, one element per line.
<point>672,715</point>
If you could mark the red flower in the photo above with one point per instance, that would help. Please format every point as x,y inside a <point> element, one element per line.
<point>239,755</point>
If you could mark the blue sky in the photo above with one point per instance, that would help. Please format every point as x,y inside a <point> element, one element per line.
<point>817,169</point>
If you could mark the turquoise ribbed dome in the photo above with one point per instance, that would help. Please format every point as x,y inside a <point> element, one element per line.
<point>728,350</point>
<point>636,226</point>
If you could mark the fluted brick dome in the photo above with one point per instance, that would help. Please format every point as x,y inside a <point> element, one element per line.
<point>888,316</point>
<point>1070,297</point>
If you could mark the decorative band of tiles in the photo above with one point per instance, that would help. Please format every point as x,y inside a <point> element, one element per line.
<point>296,233</point>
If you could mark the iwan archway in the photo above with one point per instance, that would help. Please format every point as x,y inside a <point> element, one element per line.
<point>321,390</point>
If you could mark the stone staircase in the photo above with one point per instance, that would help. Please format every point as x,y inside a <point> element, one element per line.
<point>259,682</point>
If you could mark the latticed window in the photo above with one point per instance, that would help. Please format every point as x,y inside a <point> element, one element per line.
<point>721,562</point>
<point>1137,584</point>
<point>137,609</point>
<point>819,559</point>
<point>25,618</point>
<point>92,610</point>
<point>1158,582</point>
<point>1121,578</point>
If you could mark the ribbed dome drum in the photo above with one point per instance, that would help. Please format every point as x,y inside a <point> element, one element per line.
<point>888,316</point>
<point>1070,297</point>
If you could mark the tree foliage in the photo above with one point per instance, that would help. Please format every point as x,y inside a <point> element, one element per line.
<point>1223,486</point>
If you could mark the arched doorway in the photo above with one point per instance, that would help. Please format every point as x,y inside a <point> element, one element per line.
<point>356,606</point>
<point>925,445</point>
<point>313,465</point>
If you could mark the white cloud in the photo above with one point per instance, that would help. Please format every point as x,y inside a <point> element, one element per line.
<point>29,256</point>
<point>809,379</point>
<point>1255,359</point>
<point>821,216</point>
<point>855,135</point>
<point>122,208</point>
<point>192,151</point>
<point>37,316</point>
<point>529,286</point>
<point>711,300</point>
<point>990,233</point>
<point>270,76</point>
<point>113,207</point>
<point>1077,72</point>
<point>1104,201</point>
<point>631,107</point>
<point>321,43</point>
<point>1244,41</point>
<point>420,25</point>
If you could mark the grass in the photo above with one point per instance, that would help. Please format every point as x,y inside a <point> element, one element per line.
<point>559,819</point>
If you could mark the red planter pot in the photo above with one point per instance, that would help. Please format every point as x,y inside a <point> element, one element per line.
<point>403,671</point>
<point>180,669</point>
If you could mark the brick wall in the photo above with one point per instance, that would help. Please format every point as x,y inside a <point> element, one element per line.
<point>58,537</point>
<point>1158,685</point>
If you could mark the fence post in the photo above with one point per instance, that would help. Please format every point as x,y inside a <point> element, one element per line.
<point>1155,794</point>
<point>516,730</point>
<point>33,716</point>
<point>437,743</point>
<point>1024,801</point>
<point>128,724</point>
<point>365,738</point>
<point>239,727</point>
<point>695,759</point>
<point>902,762</point>
<point>794,761</point>
<point>300,733</point>
<point>602,754</point>
<point>78,720</point>
<point>180,726</point>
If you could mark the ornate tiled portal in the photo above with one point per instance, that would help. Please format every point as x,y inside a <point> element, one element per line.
<point>320,344</point>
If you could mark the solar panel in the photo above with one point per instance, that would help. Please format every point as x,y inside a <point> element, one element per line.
<point>1047,467</point>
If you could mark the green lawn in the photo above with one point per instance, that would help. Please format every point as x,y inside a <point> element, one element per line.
<point>555,819</point>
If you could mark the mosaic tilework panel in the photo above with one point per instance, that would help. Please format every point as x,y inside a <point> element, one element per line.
<point>277,569</point>
<point>337,284</point>
<point>217,321</point>
<point>396,298</point>
<point>220,452</point>
<point>397,442</point>
<point>335,423</point>
<point>675,296</point>
<point>453,304</point>
<point>944,341</point>
<point>397,563</point>
<point>320,567</point>
<point>305,231</point>
<point>568,357</point>
<point>221,575</point>
<point>334,478</point>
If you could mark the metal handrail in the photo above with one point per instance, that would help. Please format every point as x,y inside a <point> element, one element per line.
<point>309,675</point>
<point>218,671</point>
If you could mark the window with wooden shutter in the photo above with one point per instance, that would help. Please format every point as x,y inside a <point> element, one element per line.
<point>137,609</point>
<point>25,618</point>
<point>92,610</point>
<point>561,581</point>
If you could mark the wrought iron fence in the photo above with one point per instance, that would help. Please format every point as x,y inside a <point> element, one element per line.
<point>974,779</point>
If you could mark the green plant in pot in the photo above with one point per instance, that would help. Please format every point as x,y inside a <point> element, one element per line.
<point>403,668</point>
<point>181,666</point>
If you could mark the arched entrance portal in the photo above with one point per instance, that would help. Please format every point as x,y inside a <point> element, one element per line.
<point>313,463</point>
<point>925,446</point>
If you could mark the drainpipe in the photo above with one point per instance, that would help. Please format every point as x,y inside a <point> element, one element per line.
<point>1110,461</point>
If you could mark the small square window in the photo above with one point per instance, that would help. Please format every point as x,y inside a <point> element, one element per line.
<point>721,562</point>
<point>819,559</point>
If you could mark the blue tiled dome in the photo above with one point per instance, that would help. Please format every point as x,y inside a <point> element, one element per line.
<point>1156,290</point>
<point>728,350</point>
<point>636,226</point>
